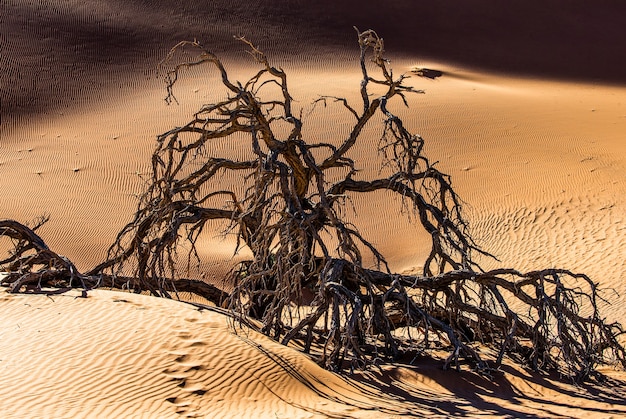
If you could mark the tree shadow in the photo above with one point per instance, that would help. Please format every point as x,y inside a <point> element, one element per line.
<point>404,389</point>
<point>468,394</point>
<point>425,389</point>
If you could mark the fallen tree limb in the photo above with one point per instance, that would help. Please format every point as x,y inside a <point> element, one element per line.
<point>306,278</point>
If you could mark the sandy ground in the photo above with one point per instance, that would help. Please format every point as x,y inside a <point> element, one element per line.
<point>125,355</point>
<point>529,118</point>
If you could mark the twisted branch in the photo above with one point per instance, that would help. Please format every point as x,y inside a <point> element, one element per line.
<point>306,279</point>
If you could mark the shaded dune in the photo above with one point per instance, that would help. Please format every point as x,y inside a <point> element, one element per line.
<point>75,49</point>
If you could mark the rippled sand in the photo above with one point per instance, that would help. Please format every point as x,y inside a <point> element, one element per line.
<point>539,158</point>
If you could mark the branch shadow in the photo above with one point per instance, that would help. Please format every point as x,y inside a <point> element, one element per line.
<point>468,394</point>
<point>425,389</point>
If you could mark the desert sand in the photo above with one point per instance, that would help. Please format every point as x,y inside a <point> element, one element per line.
<point>528,117</point>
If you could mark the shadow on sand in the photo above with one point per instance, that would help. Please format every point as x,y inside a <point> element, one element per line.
<point>425,390</point>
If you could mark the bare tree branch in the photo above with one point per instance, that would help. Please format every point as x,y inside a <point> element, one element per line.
<point>306,280</point>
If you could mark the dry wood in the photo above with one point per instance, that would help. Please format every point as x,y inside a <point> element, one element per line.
<point>291,205</point>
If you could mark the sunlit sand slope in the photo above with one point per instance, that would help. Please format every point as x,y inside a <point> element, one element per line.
<point>117,354</point>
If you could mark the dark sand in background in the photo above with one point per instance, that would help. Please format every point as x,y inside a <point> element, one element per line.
<point>56,51</point>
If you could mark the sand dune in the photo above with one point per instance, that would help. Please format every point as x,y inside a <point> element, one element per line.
<point>125,355</point>
<point>528,117</point>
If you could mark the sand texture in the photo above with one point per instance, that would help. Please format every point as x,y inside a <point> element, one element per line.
<point>528,117</point>
<point>116,354</point>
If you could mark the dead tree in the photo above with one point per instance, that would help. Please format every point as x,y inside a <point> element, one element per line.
<point>289,215</point>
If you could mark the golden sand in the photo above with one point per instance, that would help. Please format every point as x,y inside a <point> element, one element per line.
<point>539,160</point>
